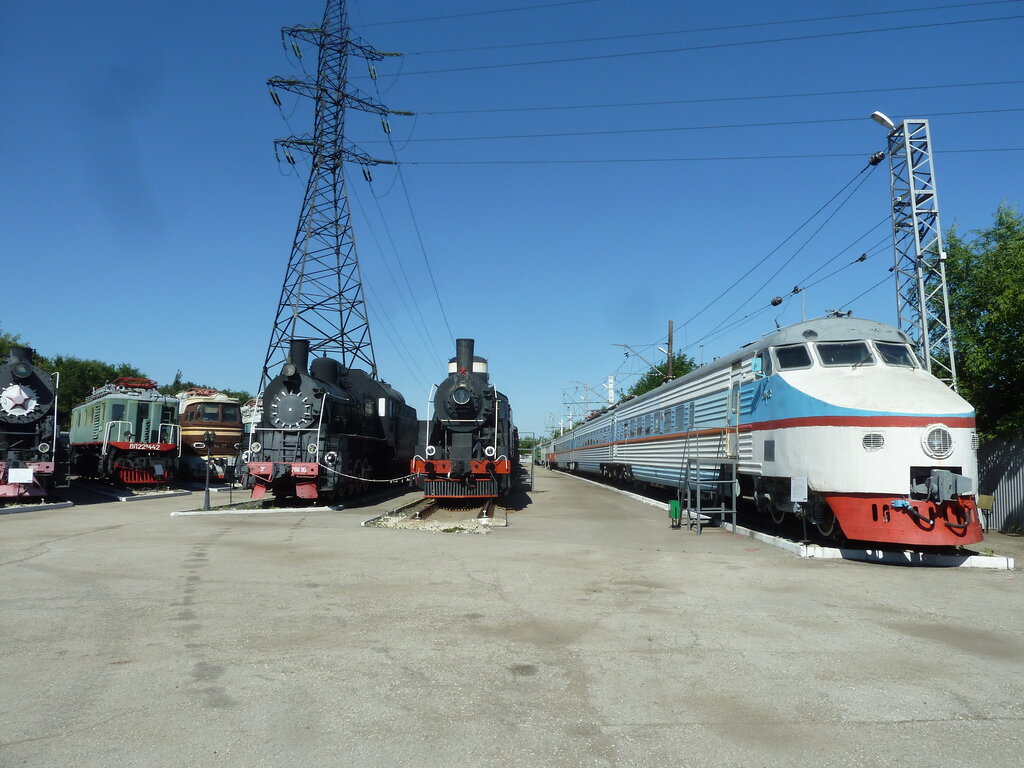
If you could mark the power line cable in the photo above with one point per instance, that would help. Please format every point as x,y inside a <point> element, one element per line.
<point>712,46</point>
<point>423,329</point>
<point>690,30</point>
<point>796,253</point>
<point>416,227</point>
<point>777,248</point>
<point>542,6</point>
<point>720,126</point>
<point>707,158</point>
<point>716,99</point>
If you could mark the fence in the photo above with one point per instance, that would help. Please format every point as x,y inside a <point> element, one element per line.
<point>1001,470</point>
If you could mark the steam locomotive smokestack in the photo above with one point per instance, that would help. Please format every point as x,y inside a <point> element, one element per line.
<point>21,355</point>
<point>464,355</point>
<point>298,354</point>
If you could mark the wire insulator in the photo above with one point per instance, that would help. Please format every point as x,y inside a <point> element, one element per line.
<point>274,97</point>
<point>296,50</point>
<point>289,157</point>
<point>776,301</point>
<point>372,69</point>
<point>386,125</point>
<point>876,158</point>
<point>366,173</point>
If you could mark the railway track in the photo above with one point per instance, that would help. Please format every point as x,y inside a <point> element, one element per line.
<point>447,515</point>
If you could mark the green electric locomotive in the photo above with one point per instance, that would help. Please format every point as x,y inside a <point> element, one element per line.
<point>126,432</point>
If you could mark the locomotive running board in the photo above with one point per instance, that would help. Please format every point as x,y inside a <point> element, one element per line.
<point>873,555</point>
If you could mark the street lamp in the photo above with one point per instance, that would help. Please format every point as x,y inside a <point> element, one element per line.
<point>883,121</point>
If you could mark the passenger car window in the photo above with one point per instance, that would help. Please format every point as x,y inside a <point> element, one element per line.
<point>896,354</point>
<point>795,356</point>
<point>845,353</point>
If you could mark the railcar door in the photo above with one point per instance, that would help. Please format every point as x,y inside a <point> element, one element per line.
<point>733,418</point>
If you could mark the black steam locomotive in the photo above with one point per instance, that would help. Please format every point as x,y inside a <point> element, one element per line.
<point>325,432</point>
<point>470,447</point>
<point>32,462</point>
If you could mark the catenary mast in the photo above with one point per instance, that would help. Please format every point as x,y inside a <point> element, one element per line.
<point>922,299</point>
<point>322,294</point>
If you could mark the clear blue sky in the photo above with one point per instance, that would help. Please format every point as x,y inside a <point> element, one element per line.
<point>144,219</point>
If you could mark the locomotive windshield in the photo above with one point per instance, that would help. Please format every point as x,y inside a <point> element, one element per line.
<point>896,354</point>
<point>845,353</point>
<point>795,356</point>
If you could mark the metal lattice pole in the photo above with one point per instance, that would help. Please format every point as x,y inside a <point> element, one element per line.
<point>922,300</point>
<point>322,294</point>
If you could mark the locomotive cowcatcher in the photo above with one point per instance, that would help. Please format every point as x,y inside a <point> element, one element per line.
<point>469,448</point>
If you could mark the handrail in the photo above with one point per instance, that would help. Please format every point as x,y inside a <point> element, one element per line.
<point>106,434</point>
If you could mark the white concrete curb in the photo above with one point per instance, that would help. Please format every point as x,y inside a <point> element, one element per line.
<point>35,507</point>
<point>866,555</point>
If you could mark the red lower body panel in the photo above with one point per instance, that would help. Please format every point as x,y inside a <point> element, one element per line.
<point>870,517</point>
<point>302,474</point>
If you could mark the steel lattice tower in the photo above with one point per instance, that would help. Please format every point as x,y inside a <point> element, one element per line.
<point>322,295</point>
<point>922,301</point>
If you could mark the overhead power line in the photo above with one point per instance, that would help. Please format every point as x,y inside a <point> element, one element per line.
<point>711,46</point>
<point>694,159</point>
<point>689,30</point>
<point>540,7</point>
<point>718,126</point>
<point>716,99</point>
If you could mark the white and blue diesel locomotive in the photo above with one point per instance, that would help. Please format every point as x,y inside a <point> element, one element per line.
<point>888,452</point>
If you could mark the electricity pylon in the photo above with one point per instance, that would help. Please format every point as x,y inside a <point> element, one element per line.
<point>322,294</point>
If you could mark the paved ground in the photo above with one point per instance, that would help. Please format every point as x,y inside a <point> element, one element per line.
<point>585,633</point>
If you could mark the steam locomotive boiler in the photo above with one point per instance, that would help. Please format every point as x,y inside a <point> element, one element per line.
<point>29,463</point>
<point>470,447</point>
<point>326,431</point>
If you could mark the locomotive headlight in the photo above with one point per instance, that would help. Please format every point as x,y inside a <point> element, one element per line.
<point>489,451</point>
<point>937,441</point>
<point>43,448</point>
<point>21,370</point>
<point>431,450</point>
<point>461,395</point>
<point>331,457</point>
<point>256,447</point>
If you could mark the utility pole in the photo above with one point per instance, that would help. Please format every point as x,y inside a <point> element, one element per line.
<point>670,328</point>
<point>922,298</point>
<point>322,294</point>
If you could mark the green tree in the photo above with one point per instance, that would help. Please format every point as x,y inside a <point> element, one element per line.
<point>985,275</point>
<point>8,340</point>
<point>655,377</point>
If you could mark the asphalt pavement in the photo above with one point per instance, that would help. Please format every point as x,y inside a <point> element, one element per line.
<point>586,633</point>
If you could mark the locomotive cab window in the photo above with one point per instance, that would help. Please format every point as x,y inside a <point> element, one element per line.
<point>792,357</point>
<point>211,412</point>
<point>845,353</point>
<point>231,413</point>
<point>896,354</point>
